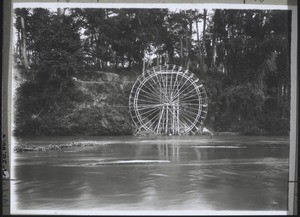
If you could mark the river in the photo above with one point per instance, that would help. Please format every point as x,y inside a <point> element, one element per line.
<point>153,173</point>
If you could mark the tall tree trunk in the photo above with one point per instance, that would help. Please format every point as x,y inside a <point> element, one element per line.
<point>214,52</point>
<point>214,48</point>
<point>181,49</point>
<point>278,93</point>
<point>187,51</point>
<point>189,43</point>
<point>23,36</point>
<point>204,34</point>
<point>200,51</point>
<point>19,46</point>
<point>167,57</point>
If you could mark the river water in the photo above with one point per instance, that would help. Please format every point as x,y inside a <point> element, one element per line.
<point>154,173</point>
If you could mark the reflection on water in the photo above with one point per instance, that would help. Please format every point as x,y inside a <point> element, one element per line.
<point>132,174</point>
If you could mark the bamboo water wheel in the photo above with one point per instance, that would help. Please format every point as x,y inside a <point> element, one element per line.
<point>168,100</point>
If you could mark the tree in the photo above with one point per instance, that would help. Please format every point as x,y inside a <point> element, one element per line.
<point>20,24</point>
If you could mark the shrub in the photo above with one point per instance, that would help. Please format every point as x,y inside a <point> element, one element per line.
<point>275,125</point>
<point>251,128</point>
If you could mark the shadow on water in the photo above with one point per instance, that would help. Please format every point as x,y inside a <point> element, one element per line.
<point>157,173</point>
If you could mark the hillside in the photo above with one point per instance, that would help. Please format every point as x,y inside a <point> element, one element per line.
<point>94,106</point>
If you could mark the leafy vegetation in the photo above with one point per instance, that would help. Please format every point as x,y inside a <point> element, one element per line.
<point>75,67</point>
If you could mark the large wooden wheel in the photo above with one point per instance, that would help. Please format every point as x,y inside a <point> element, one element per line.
<point>168,100</point>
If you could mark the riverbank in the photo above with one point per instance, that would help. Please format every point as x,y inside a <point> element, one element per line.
<point>62,143</point>
<point>96,103</point>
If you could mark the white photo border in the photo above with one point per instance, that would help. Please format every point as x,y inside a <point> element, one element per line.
<point>250,4</point>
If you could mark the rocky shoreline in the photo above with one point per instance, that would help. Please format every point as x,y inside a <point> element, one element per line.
<point>58,146</point>
<point>53,147</point>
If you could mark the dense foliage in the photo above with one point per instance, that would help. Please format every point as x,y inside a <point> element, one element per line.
<point>242,56</point>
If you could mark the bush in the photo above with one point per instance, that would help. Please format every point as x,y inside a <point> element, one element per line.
<point>251,128</point>
<point>275,126</point>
